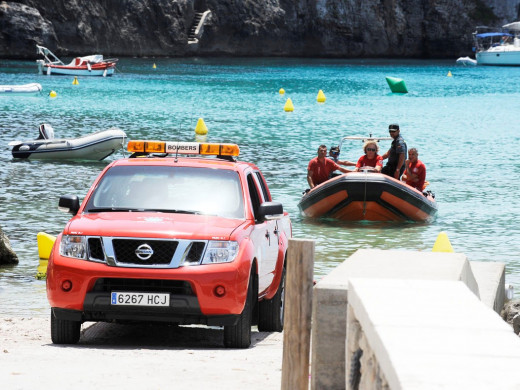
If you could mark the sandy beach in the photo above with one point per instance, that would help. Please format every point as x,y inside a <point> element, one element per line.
<point>134,357</point>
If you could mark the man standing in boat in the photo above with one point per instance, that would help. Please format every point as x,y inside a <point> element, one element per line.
<point>396,154</point>
<point>321,167</point>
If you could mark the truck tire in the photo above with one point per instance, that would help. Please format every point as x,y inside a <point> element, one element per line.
<point>271,311</point>
<point>239,335</point>
<point>64,331</point>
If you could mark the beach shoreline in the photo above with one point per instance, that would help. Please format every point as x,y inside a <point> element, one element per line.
<point>140,356</point>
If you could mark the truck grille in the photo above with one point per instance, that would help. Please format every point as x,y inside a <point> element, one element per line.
<point>125,251</point>
<point>145,253</point>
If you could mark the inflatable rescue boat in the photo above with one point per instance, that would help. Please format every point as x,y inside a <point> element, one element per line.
<point>95,146</point>
<point>358,196</point>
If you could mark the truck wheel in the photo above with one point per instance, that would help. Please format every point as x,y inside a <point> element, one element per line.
<point>271,311</point>
<point>64,331</point>
<point>239,335</point>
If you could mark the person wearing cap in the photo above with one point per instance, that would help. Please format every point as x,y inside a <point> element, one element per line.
<point>320,168</point>
<point>415,174</point>
<point>334,155</point>
<point>396,154</point>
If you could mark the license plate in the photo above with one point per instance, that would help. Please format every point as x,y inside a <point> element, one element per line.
<point>139,299</point>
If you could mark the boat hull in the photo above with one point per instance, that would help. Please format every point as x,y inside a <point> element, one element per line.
<point>499,57</point>
<point>362,196</point>
<point>104,70</point>
<point>96,146</point>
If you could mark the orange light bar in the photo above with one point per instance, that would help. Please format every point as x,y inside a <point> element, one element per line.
<point>220,149</point>
<point>146,146</point>
<point>183,148</point>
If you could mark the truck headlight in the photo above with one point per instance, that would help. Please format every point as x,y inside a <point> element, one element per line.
<point>220,252</point>
<point>74,246</point>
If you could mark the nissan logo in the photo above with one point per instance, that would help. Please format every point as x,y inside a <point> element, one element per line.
<point>144,251</point>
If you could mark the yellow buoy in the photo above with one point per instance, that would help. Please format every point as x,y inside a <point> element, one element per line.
<point>155,67</point>
<point>45,242</point>
<point>75,81</point>
<point>281,91</point>
<point>321,97</point>
<point>53,94</point>
<point>41,271</point>
<point>288,106</point>
<point>449,73</point>
<point>201,128</point>
<point>442,244</point>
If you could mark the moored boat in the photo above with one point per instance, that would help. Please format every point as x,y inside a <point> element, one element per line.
<point>498,47</point>
<point>367,195</point>
<point>92,65</point>
<point>95,146</point>
<point>25,89</point>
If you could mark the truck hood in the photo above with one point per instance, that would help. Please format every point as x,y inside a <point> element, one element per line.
<point>156,225</point>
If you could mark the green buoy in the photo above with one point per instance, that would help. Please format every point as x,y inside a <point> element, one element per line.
<point>396,85</point>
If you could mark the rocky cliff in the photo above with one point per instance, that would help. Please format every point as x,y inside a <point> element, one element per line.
<point>324,28</point>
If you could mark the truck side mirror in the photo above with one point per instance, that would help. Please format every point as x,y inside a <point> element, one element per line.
<point>69,204</point>
<point>270,210</point>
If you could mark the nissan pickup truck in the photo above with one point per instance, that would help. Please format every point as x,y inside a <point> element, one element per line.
<point>179,233</point>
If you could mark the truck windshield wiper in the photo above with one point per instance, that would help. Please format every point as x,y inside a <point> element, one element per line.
<point>126,209</point>
<point>107,209</point>
<point>173,211</point>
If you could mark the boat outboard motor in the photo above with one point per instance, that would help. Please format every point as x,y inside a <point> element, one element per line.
<point>46,131</point>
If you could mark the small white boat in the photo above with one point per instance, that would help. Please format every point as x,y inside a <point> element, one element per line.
<point>466,61</point>
<point>498,47</point>
<point>28,89</point>
<point>93,65</point>
<point>95,146</point>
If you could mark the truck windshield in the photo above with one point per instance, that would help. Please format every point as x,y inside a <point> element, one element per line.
<point>169,189</point>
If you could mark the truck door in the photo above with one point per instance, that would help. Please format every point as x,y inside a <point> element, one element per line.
<point>264,236</point>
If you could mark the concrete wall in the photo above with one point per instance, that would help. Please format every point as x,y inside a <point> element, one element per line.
<point>331,296</point>
<point>416,334</point>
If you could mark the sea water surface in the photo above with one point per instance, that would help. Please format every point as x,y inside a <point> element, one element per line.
<point>465,126</point>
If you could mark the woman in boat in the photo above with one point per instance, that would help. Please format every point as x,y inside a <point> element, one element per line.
<point>370,158</point>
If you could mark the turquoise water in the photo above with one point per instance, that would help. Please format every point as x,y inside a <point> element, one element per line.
<point>465,128</point>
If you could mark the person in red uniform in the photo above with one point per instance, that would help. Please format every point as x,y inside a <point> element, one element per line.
<point>415,173</point>
<point>370,158</point>
<point>321,167</point>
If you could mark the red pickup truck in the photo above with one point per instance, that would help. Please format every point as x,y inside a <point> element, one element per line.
<point>184,240</point>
